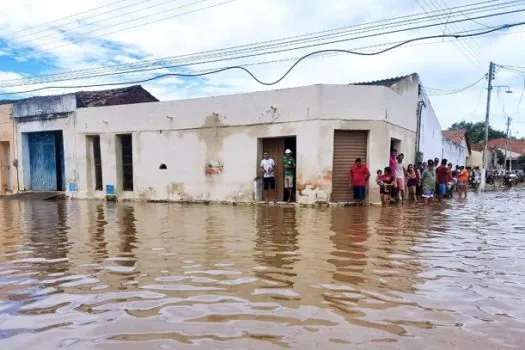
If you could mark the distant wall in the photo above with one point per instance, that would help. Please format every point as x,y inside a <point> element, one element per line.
<point>453,153</point>
<point>431,139</point>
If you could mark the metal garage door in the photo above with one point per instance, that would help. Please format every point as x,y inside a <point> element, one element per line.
<point>348,145</point>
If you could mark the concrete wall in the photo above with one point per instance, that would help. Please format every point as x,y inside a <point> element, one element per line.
<point>45,105</point>
<point>476,159</point>
<point>453,153</point>
<point>67,125</point>
<point>185,135</point>
<point>7,157</point>
<point>431,139</point>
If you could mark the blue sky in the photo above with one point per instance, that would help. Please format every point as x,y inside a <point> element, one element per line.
<point>127,31</point>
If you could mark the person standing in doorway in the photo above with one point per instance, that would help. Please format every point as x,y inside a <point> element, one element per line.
<point>268,169</point>
<point>289,173</point>
<point>400,176</point>
<point>359,175</point>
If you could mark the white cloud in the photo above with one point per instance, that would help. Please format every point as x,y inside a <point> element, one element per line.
<point>440,65</point>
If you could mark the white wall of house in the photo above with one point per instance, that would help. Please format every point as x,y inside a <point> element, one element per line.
<point>186,134</point>
<point>431,138</point>
<point>453,153</point>
<point>476,159</point>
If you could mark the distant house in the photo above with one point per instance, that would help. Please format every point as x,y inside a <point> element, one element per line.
<point>456,147</point>
<point>514,149</point>
<point>45,129</point>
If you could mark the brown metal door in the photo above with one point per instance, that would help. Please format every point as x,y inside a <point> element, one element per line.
<point>275,146</point>
<point>348,145</point>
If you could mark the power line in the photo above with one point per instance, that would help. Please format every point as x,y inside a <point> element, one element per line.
<point>410,19</point>
<point>435,92</point>
<point>139,25</point>
<point>455,36</point>
<point>193,59</point>
<point>39,35</point>
<point>467,53</point>
<point>48,24</point>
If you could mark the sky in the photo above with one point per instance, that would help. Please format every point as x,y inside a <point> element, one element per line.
<point>53,36</point>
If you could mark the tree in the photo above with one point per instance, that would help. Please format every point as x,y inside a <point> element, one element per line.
<point>521,162</point>
<point>500,157</point>
<point>476,131</point>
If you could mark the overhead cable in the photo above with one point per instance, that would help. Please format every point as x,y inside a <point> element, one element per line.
<point>180,61</point>
<point>455,36</point>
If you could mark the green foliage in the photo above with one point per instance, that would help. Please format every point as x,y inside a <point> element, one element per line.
<point>521,162</point>
<point>476,131</point>
<point>500,157</point>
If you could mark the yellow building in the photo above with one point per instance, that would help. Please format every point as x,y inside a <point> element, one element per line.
<point>8,176</point>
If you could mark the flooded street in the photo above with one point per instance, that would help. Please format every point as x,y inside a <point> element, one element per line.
<point>85,274</point>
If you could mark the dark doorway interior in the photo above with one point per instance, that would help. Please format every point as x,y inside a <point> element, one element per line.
<point>60,169</point>
<point>97,162</point>
<point>127,162</point>
<point>276,147</point>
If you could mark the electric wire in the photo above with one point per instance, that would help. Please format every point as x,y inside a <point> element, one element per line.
<point>426,18</point>
<point>151,65</point>
<point>42,33</point>
<point>156,20</point>
<point>506,26</point>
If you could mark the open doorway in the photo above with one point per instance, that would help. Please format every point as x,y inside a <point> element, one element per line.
<point>276,146</point>
<point>395,144</point>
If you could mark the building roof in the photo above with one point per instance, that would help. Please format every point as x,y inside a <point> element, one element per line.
<point>385,82</point>
<point>514,146</point>
<point>112,97</point>
<point>455,136</point>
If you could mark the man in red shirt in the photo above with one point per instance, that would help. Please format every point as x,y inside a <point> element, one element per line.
<point>359,175</point>
<point>443,175</point>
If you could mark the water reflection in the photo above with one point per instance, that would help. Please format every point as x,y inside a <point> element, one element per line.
<point>80,275</point>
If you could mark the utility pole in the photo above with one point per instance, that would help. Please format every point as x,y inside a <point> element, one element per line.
<point>510,142</point>
<point>507,143</point>
<point>487,115</point>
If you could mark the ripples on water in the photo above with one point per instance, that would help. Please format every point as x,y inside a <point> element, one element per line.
<point>82,274</point>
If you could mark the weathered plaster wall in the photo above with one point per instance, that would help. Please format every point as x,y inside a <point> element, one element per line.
<point>185,135</point>
<point>45,105</point>
<point>67,125</point>
<point>6,135</point>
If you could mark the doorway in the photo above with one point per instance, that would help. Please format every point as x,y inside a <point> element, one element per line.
<point>46,161</point>
<point>395,144</point>
<point>125,152</point>
<point>276,147</point>
<point>5,167</point>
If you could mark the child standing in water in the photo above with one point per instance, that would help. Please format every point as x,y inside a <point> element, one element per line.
<point>386,182</point>
<point>412,182</point>
<point>428,182</point>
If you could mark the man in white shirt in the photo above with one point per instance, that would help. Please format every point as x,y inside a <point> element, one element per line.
<point>268,168</point>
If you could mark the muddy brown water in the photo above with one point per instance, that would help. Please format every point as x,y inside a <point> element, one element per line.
<point>91,275</point>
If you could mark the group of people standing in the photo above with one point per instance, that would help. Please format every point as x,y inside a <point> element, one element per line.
<point>425,180</point>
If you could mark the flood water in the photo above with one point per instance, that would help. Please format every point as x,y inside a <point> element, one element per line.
<point>93,275</point>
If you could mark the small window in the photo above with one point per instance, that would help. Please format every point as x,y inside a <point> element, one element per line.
<point>163,167</point>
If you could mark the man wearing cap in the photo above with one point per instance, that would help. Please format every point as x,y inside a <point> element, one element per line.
<point>289,173</point>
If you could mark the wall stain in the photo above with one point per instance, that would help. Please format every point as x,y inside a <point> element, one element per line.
<point>318,187</point>
<point>176,191</point>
